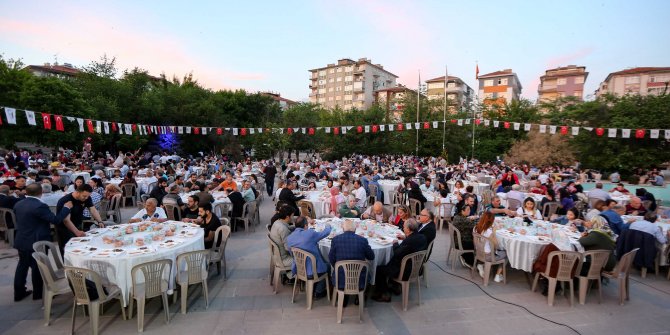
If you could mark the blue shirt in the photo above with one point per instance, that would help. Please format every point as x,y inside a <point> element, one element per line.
<point>308,240</point>
<point>615,221</point>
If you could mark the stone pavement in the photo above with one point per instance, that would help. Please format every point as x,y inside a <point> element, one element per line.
<point>245,304</point>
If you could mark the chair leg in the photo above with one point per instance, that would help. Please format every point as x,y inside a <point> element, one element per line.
<point>295,285</point>
<point>225,267</point>
<point>361,305</point>
<point>94,314</point>
<point>449,258</point>
<point>600,290</point>
<point>130,306</point>
<point>552,291</point>
<point>504,265</point>
<point>572,293</point>
<point>48,298</point>
<point>487,273</point>
<point>123,309</point>
<point>425,275</point>
<point>74,315</point>
<point>140,314</point>
<point>583,283</point>
<point>627,288</point>
<point>340,305</point>
<point>309,291</point>
<point>327,287</point>
<point>644,272</point>
<point>534,286</point>
<point>472,270</point>
<point>405,294</point>
<point>205,291</point>
<point>184,297</point>
<point>166,307</point>
<point>418,289</point>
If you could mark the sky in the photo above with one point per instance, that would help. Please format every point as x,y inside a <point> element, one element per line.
<point>271,45</point>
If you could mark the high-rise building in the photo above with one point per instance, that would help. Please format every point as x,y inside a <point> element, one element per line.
<point>639,80</point>
<point>459,94</point>
<point>562,82</point>
<point>392,99</point>
<point>349,84</point>
<point>499,87</point>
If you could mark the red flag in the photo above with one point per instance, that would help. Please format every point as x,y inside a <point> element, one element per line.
<point>426,125</point>
<point>399,127</point>
<point>506,125</point>
<point>134,128</point>
<point>311,131</point>
<point>59,122</point>
<point>336,130</point>
<point>359,129</point>
<point>478,121</point>
<point>453,120</point>
<point>564,130</point>
<point>114,126</point>
<point>46,118</point>
<point>374,128</point>
<point>219,131</point>
<point>289,131</point>
<point>600,131</point>
<point>196,130</point>
<point>89,125</point>
<point>243,131</point>
<point>639,133</point>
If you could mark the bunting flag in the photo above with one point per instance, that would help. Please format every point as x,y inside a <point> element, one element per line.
<point>527,126</point>
<point>367,129</point>
<point>311,131</point>
<point>196,130</point>
<point>11,115</point>
<point>486,123</point>
<point>517,125</point>
<point>59,122</point>
<point>575,131</point>
<point>106,126</point>
<point>625,133</point>
<point>600,131</point>
<point>666,134</point>
<point>336,130</point>
<point>252,131</point>
<point>289,131</point>
<point>327,130</point>
<point>653,133</point>
<point>391,127</point>
<point>89,125</point>
<point>453,120</point>
<point>435,124</point>
<point>639,133</point>
<point>408,126</point>
<point>81,124</point>
<point>114,127</point>
<point>611,132</point>
<point>344,130</point>
<point>134,128</point>
<point>543,128</point>
<point>460,122</point>
<point>399,127</point>
<point>382,127</point>
<point>478,121</point>
<point>564,130</point>
<point>495,124</point>
<point>359,129</point>
<point>98,127</point>
<point>506,125</point>
<point>129,129</point>
<point>375,128</point>
<point>30,115</point>
<point>180,130</point>
<point>426,125</point>
<point>188,130</point>
<point>219,131</point>
<point>243,131</point>
<point>46,120</point>
<point>467,121</point>
<point>552,130</point>
<point>204,130</point>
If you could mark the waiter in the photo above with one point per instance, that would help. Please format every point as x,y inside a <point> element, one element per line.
<point>33,223</point>
<point>73,224</point>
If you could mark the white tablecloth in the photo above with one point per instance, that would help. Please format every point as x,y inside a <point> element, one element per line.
<point>116,268</point>
<point>383,250</point>
<point>537,197</point>
<point>388,187</point>
<point>320,200</point>
<point>478,188</point>
<point>86,176</point>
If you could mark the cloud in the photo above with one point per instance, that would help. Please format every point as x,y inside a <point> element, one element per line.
<point>86,36</point>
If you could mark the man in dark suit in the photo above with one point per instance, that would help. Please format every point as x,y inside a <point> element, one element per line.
<point>349,247</point>
<point>427,225</point>
<point>412,243</point>
<point>286,195</point>
<point>270,172</point>
<point>7,201</point>
<point>33,223</point>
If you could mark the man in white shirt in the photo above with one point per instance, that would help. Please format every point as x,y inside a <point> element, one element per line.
<point>648,225</point>
<point>543,178</point>
<point>360,194</point>
<point>150,212</point>
<point>148,180</point>
<point>599,193</point>
<point>427,186</point>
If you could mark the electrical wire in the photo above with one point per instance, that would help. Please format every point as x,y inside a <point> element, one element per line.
<point>504,301</point>
<point>647,285</point>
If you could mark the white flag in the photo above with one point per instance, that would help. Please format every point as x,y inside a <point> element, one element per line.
<point>552,130</point>
<point>653,133</point>
<point>30,115</point>
<point>588,128</point>
<point>486,123</point>
<point>106,126</point>
<point>496,123</point>
<point>70,118</point>
<point>252,130</point>
<point>527,126</point>
<point>611,132</point>
<point>11,115</point>
<point>235,131</point>
<point>575,131</point>
<point>382,127</point>
<point>434,124</point>
<point>98,127</point>
<point>81,124</point>
<point>344,130</point>
<point>543,128</point>
<point>391,127</point>
<point>467,121</point>
<point>140,129</point>
<point>304,130</point>
<point>367,129</point>
<point>667,134</point>
<point>327,130</point>
<point>417,125</point>
<point>460,122</point>
<point>625,133</point>
<point>517,125</point>
<point>408,126</point>
<point>188,130</point>
<point>129,129</point>
<point>180,130</point>
<point>260,130</point>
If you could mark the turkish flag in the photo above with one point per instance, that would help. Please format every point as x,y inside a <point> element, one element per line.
<point>219,131</point>
<point>46,118</point>
<point>336,130</point>
<point>478,121</point>
<point>400,127</point>
<point>453,120</point>
<point>564,130</point>
<point>375,128</point>
<point>59,122</point>
<point>600,131</point>
<point>89,125</point>
<point>506,124</point>
<point>196,130</point>
<point>243,131</point>
<point>289,131</point>
<point>639,133</point>
<point>359,129</point>
<point>426,125</point>
<point>114,127</point>
<point>134,127</point>
<point>311,131</point>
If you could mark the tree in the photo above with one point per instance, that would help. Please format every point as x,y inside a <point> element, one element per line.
<point>540,150</point>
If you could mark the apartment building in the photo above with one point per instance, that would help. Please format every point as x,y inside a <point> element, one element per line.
<point>639,80</point>
<point>53,70</point>
<point>348,83</point>
<point>567,81</point>
<point>393,101</point>
<point>499,87</point>
<point>284,103</point>
<point>459,93</point>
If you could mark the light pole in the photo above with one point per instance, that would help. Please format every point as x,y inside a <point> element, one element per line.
<point>444,114</point>
<point>474,117</point>
<point>418,104</point>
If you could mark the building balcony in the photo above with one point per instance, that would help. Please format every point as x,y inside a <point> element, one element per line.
<point>547,88</point>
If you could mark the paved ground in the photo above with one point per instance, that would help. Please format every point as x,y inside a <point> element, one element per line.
<point>245,304</point>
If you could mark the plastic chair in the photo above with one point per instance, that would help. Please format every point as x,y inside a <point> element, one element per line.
<point>352,274</point>
<point>598,260</point>
<point>53,285</point>
<point>114,209</point>
<point>415,260</point>
<point>300,258</point>
<point>53,253</point>
<point>414,207</point>
<point>621,272</point>
<point>77,278</point>
<point>172,211</point>
<point>489,259</point>
<point>278,266</point>
<point>103,207</point>
<point>455,245</point>
<point>248,213</point>
<point>569,264</point>
<point>129,192</point>
<point>372,198</point>
<point>444,214</point>
<point>217,254</point>
<point>154,285</point>
<point>150,187</point>
<point>222,210</point>
<point>424,269</point>
<point>513,204</point>
<point>4,227</point>
<point>549,209</point>
<point>195,272</point>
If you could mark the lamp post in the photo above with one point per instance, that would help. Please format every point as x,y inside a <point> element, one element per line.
<point>418,104</point>
<point>444,114</point>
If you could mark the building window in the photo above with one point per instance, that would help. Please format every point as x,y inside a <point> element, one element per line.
<point>579,80</point>
<point>330,98</point>
<point>339,69</point>
<point>339,79</point>
<point>451,85</point>
<point>322,73</point>
<point>348,69</point>
<point>578,94</point>
<point>331,71</point>
<point>502,81</point>
<point>338,98</point>
<point>632,80</point>
<point>322,82</point>
<point>561,81</point>
<point>330,89</point>
<point>435,85</point>
<point>331,80</point>
<point>488,82</point>
<point>338,88</point>
<point>659,79</point>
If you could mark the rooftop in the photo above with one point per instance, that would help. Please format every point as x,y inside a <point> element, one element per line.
<point>66,69</point>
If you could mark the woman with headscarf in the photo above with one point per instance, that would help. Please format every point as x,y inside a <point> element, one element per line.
<point>335,200</point>
<point>598,236</point>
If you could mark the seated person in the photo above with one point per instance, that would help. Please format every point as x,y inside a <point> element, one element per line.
<point>496,208</point>
<point>646,195</point>
<point>247,192</point>
<point>635,207</point>
<point>192,184</point>
<point>402,217</point>
<point>280,231</point>
<point>377,212</point>
<point>657,179</point>
<point>150,212</point>
<point>173,197</point>
<point>308,240</point>
<point>464,224</point>
<point>349,246</point>
<point>485,228</point>
<point>528,210</point>
<point>619,188</point>
<point>516,194</point>
<point>598,236</point>
<point>571,219</point>
<point>191,212</point>
<point>647,225</point>
<point>538,188</point>
<point>613,218</point>
<point>427,186</point>
<point>350,210</point>
<point>209,222</point>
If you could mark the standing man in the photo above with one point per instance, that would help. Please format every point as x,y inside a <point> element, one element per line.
<point>33,223</point>
<point>73,224</point>
<point>270,172</point>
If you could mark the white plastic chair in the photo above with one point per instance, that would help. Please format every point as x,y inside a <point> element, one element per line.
<point>352,274</point>
<point>195,272</point>
<point>155,284</point>
<point>53,285</point>
<point>301,257</point>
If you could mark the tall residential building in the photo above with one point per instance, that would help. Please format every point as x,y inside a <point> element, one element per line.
<point>562,82</point>
<point>53,70</point>
<point>392,100</point>
<point>459,94</point>
<point>639,80</point>
<point>499,87</point>
<point>283,102</point>
<point>349,84</point>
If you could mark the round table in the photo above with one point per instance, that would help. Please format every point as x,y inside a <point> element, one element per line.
<point>383,249</point>
<point>537,197</point>
<point>525,243</point>
<point>477,188</point>
<point>388,187</point>
<point>114,264</point>
<point>320,200</point>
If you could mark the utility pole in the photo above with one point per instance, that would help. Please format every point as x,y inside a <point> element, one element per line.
<point>418,104</point>
<point>444,116</point>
